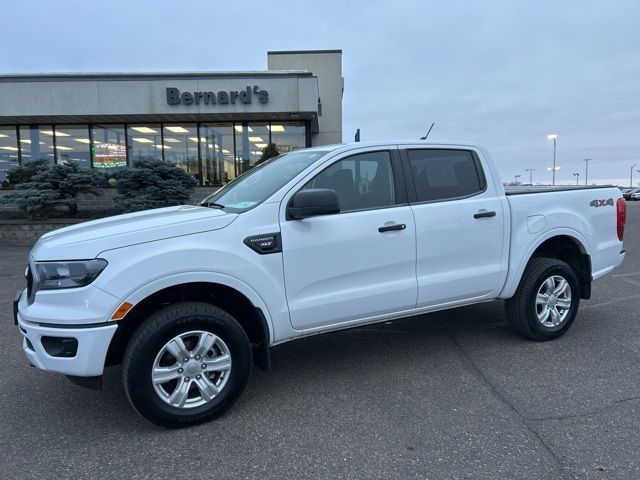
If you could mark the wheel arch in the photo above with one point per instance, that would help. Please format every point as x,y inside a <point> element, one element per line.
<point>242,303</point>
<point>562,244</point>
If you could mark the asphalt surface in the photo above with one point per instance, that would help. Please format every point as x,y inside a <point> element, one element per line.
<point>447,395</point>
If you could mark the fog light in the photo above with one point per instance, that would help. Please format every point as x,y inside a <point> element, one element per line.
<point>60,347</point>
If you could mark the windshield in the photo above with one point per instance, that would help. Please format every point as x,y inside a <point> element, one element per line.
<point>262,181</point>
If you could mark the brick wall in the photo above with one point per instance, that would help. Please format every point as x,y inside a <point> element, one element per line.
<point>24,232</point>
<point>104,203</point>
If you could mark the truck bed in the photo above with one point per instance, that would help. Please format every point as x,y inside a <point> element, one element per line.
<point>583,213</point>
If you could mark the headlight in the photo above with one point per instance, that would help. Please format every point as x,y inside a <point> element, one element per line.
<point>73,274</point>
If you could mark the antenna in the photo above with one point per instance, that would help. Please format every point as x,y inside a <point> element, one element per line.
<point>428,132</point>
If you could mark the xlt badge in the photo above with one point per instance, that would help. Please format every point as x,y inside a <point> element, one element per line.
<point>265,243</point>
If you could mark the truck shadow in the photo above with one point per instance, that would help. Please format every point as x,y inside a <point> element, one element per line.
<point>398,339</point>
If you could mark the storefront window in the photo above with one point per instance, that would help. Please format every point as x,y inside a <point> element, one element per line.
<point>72,144</point>
<point>216,148</point>
<point>8,150</point>
<point>251,139</point>
<point>288,136</point>
<point>214,153</point>
<point>109,149</point>
<point>36,142</point>
<point>145,141</point>
<point>179,149</point>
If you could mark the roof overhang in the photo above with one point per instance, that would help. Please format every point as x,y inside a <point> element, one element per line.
<point>162,118</point>
<point>145,97</point>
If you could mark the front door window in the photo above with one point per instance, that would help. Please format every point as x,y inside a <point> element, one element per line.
<point>361,182</point>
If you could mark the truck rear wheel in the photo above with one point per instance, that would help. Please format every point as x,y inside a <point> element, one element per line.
<point>546,301</point>
<point>186,364</point>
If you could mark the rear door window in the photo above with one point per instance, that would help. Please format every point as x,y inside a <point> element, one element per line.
<point>441,174</point>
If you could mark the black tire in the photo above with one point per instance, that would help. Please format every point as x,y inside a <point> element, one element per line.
<point>154,333</point>
<point>521,308</point>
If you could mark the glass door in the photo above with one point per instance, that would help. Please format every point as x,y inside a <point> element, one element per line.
<point>216,151</point>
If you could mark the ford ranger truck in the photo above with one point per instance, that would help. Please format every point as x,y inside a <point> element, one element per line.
<point>186,298</point>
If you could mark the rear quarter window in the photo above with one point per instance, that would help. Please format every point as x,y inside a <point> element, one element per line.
<point>441,174</point>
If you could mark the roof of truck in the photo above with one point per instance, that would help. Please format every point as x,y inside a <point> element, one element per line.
<point>397,142</point>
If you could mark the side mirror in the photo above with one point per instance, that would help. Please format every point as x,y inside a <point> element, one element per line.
<point>313,202</point>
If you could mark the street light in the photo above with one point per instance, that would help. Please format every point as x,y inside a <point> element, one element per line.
<point>577,175</point>
<point>517,177</point>
<point>530,170</point>
<point>586,169</point>
<point>553,137</point>
<point>631,179</point>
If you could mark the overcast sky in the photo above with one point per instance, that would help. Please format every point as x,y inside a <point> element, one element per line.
<point>501,73</point>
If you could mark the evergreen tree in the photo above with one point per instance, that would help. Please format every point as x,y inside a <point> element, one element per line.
<point>152,183</point>
<point>268,152</point>
<point>52,186</point>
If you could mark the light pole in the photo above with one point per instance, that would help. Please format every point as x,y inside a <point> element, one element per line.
<point>530,170</point>
<point>577,175</point>
<point>517,177</point>
<point>586,169</point>
<point>631,179</point>
<point>553,137</point>
<point>554,169</point>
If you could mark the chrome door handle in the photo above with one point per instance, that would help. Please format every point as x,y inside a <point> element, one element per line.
<point>389,228</point>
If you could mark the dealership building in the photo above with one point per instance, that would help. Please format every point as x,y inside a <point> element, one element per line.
<point>213,125</point>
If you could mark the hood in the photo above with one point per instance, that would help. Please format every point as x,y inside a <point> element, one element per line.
<point>86,240</point>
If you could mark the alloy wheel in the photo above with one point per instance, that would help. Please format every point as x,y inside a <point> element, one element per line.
<point>553,301</point>
<point>191,369</point>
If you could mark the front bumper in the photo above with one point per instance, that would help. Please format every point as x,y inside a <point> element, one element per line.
<point>88,355</point>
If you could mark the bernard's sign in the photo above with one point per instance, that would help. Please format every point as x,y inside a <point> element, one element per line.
<point>175,97</point>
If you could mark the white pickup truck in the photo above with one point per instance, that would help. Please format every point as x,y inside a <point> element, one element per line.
<point>309,242</point>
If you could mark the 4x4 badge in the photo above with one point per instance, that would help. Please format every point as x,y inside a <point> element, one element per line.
<point>601,203</point>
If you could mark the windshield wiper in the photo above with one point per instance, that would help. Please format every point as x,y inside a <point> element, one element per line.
<point>215,205</point>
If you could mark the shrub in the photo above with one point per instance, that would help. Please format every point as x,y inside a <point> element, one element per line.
<point>51,186</point>
<point>24,173</point>
<point>152,183</point>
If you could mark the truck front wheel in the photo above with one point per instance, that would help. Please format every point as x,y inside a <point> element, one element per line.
<point>186,364</point>
<point>546,301</point>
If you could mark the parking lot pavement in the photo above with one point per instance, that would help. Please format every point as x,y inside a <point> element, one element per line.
<point>447,395</point>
